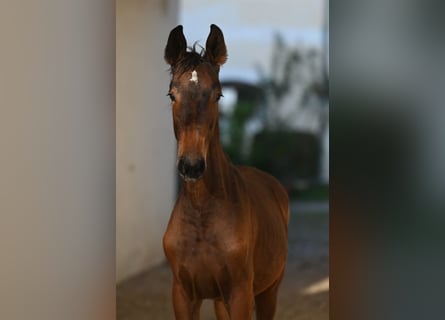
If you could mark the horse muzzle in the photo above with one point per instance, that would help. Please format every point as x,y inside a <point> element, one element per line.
<point>191,168</point>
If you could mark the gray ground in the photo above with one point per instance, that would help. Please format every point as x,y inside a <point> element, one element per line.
<point>147,296</point>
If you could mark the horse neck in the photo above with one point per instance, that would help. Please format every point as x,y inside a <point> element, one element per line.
<point>219,167</point>
<point>217,177</point>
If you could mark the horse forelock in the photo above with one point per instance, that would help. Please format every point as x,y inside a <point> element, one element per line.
<point>190,60</point>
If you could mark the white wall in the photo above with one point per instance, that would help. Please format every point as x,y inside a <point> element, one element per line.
<point>249,27</point>
<point>145,145</point>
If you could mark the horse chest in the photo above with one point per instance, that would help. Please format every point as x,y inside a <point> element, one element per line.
<point>199,242</point>
<point>200,233</point>
<point>201,260</point>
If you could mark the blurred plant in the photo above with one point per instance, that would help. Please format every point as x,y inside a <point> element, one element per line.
<point>296,89</point>
<point>294,115</point>
<point>237,121</point>
<point>291,156</point>
<point>278,126</point>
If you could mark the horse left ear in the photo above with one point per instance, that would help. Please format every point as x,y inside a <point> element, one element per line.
<point>216,51</point>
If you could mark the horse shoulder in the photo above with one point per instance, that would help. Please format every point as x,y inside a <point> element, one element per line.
<point>170,238</point>
<point>266,191</point>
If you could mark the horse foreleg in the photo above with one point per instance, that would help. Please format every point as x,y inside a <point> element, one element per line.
<point>266,301</point>
<point>221,310</point>
<point>184,307</point>
<point>241,303</point>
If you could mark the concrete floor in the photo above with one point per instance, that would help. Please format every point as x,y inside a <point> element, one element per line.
<point>303,293</point>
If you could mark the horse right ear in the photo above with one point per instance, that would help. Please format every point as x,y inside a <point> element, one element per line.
<point>176,46</point>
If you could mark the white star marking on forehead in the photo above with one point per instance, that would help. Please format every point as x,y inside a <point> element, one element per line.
<point>194,77</point>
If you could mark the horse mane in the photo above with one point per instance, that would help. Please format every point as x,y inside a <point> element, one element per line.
<point>190,60</point>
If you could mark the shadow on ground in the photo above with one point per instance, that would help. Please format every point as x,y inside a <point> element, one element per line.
<point>303,293</point>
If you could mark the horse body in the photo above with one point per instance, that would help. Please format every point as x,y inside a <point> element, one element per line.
<point>227,236</point>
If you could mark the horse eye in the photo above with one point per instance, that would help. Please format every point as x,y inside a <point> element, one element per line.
<point>171,96</point>
<point>219,97</point>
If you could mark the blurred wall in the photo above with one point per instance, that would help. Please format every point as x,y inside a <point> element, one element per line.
<point>145,146</point>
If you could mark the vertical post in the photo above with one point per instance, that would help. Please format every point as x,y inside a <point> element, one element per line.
<point>57,151</point>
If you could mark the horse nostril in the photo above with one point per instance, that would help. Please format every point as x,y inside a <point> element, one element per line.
<point>199,168</point>
<point>201,165</point>
<point>191,169</point>
<point>181,165</point>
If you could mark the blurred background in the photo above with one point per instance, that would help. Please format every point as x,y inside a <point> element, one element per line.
<point>274,115</point>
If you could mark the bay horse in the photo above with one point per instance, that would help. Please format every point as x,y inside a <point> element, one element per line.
<point>227,235</point>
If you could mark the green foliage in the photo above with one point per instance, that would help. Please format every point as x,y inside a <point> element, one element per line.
<point>288,155</point>
<point>313,193</point>
<point>243,112</point>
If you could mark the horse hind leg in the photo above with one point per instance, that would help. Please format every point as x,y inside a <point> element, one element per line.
<point>266,301</point>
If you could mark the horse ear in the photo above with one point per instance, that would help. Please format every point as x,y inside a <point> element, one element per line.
<point>176,46</point>
<point>216,51</point>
